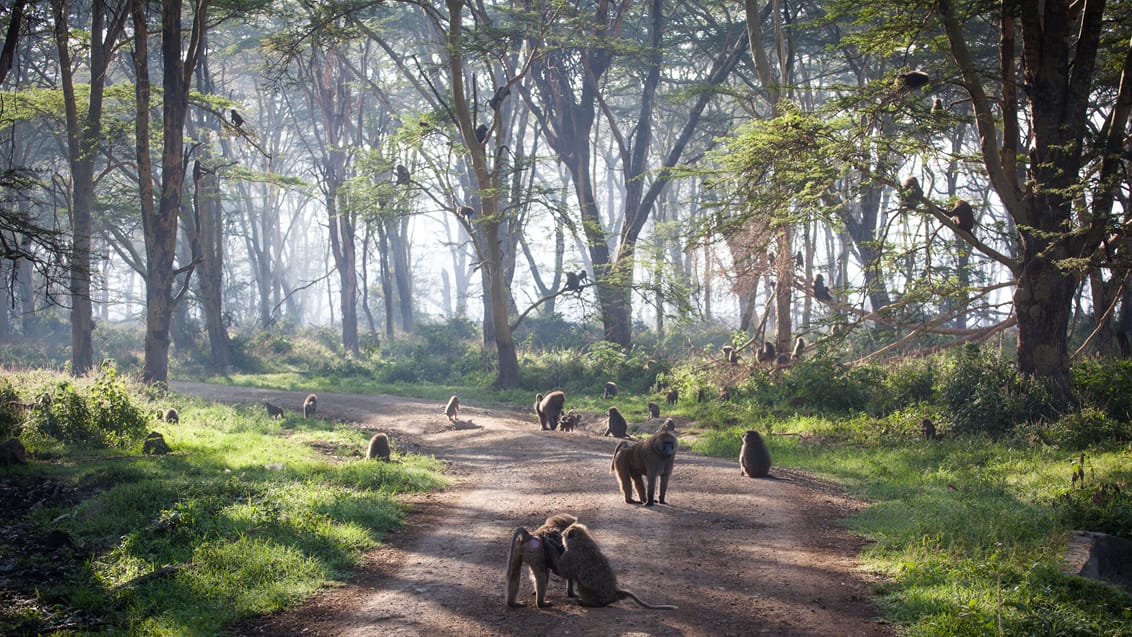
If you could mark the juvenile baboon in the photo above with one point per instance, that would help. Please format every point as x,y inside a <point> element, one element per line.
<point>610,390</point>
<point>963,215</point>
<point>669,425</point>
<point>171,415</point>
<point>540,550</point>
<point>937,106</point>
<point>310,406</point>
<point>549,409</point>
<point>754,457</point>
<point>652,458</point>
<point>911,192</point>
<point>821,292</point>
<point>654,410</point>
<point>671,397</point>
<point>583,562</point>
<point>402,176</point>
<point>701,396</point>
<point>569,421</point>
<point>378,447</point>
<point>453,408</point>
<point>274,411</point>
<point>927,428</point>
<point>237,121</point>
<point>799,347</point>
<point>616,427</point>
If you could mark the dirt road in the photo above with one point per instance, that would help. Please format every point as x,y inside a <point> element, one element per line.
<point>738,556</point>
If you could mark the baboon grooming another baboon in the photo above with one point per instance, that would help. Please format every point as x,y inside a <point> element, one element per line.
<point>654,410</point>
<point>610,390</point>
<point>275,411</point>
<point>549,409</point>
<point>540,550</point>
<point>652,458</point>
<point>378,447</point>
<point>452,409</point>
<point>754,457</point>
<point>616,425</point>
<point>671,397</point>
<point>310,406</point>
<point>585,564</point>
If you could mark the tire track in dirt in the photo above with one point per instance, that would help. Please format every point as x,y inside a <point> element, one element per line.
<point>738,556</point>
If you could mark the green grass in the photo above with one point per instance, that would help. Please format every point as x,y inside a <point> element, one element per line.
<point>968,531</point>
<point>250,517</point>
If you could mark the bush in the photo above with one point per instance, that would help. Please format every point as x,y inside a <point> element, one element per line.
<point>102,416</point>
<point>1089,427</point>
<point>984,393</point>
<point>1105,384</point>
<point>9,418</point>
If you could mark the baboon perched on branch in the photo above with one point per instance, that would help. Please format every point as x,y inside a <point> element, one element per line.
<point>540,550</point>
<point>651,459</point>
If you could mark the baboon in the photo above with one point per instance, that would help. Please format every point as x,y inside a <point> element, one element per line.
<point>669,425</point>
<point>616,427</point>
<point>963,216</point>
<point>727,351</point>
<point>651,458</point>
<point>569,421</point>
<point>654,410</point>
<point>160,415</point>
<point>574,280</point>
<point>549,409</point>
<point>378,447</point>
<point>609,391</point>
<point>452,409</point>
<point>199,171</point>
<point>799,347</point>
<point>237,121</point>
<point>927,428</point>
<point>540,550</point>
<point>766,352</point>
<point>12,451</point>
<point>754,457</point>
<point>912,80</point>
<point>701,396</point>
<point>671,397</point>
<point>155,444</point>
<point>912,192</point>
<point>466,212</point>
<point>310,406</point>
<point>481,133</point>
<point>171,415</point>
<point>583,562</point>
<point>937,106</point>
<point>821,292</point>
<point>497,98</point>
<point>724,394</point>
<point>401,175</point>
<point>274,411</point>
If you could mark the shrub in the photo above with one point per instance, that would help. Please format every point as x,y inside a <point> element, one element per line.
<point>985,393</point>
<point>1105,384</point>
<point>102,416</point>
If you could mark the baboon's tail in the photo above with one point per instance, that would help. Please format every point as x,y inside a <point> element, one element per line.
<point>622,594</point>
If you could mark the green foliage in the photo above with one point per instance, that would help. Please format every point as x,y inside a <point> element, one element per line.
<point>102,415</point>
<point>10,417</point>
<point>1105,384</point>
<point>983,392</point>
<point>1089,427</point>
<point>1104,507</point>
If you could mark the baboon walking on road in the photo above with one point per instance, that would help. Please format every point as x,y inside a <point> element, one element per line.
<point>650,459</point>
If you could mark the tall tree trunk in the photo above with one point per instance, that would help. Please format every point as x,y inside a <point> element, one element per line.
<point>82,150</point>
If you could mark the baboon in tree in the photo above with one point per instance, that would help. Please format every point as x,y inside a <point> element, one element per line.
<point>616,427</point>
<point>821,292</point>
<point>766,352</point>
<point>651,459</point>
<point>583,562</point>
<point>754,457</point>
<point>799,347</point>
<point>539,550</point>
<point>963,216</point>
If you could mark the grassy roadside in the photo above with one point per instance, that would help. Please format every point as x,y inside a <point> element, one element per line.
<point>247,515</point>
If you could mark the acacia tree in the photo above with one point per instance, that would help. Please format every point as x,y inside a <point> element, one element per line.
<point>107,21</point>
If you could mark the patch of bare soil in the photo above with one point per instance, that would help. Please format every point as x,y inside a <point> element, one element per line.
<point>739,556</point>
